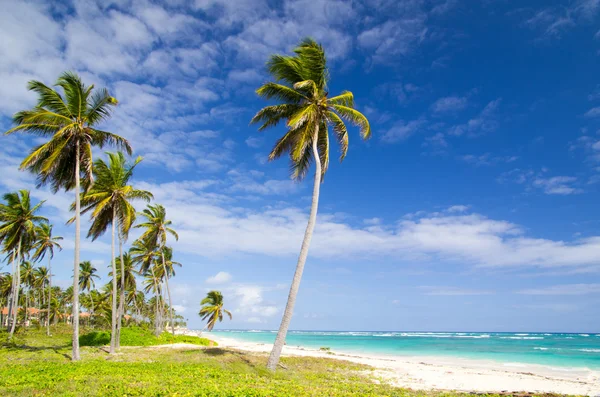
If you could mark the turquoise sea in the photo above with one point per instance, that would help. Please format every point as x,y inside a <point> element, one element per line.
<point>562,350</point>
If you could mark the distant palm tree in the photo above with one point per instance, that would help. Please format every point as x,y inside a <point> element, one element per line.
<point>5,290</point>
<point>87,274</point>
<point>45,244</point>
<point>18,221</point>
<point>109,201</point>
<point>69,122</point>
<point>157,228</point>
<point>212,309</point>
<point>308,111</point>
<point>27,273</point>
<point>167,271</point>
<point>144,254</point>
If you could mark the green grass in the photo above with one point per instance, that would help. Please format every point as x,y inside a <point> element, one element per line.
<point>135,336</point>
<point>36,365</point>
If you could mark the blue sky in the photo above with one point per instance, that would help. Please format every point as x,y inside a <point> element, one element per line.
<point>473,207</point>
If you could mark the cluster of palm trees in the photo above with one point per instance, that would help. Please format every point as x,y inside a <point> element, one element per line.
<point>70,120</point>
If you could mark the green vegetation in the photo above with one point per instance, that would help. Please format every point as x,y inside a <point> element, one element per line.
<point>136,336</point>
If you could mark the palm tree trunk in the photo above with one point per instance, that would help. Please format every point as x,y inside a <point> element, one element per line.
<point>49,294</point>
<point>113,334</point>
<point>122,294</point>
<point>76,261</point>
<point>92,310</point>
<point>168,292</point>
<point>11,301</point>
<point>157,330</point>
<point>17,280</point>
<point>289,308</point>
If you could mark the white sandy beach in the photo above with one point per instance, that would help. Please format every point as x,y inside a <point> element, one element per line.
<point>442,373</point>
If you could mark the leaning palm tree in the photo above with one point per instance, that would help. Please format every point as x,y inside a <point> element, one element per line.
<point>157,228</point>
<point>18,221</point>
<point>308,111</point>
<point>45,244</point>
<point>109,201</point>
<point>212,309</point>
<point>70,122</point>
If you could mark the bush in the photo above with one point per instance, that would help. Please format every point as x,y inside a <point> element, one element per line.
<point>136,336</point>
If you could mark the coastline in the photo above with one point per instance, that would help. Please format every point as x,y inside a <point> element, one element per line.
<point>444,373</point>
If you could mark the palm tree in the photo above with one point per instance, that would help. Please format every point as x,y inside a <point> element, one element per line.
<point>27,273</point>
<point>305,105</point>
<point>212,309</point>
<point>143,253</point>
<point>40,283</point>
<point>125,272</point>
<point>17,229</point>
<point>5,290</point>
<point>157,228</point>
<point>69,121</point>
<point>109,201</point>
<point>87,274</point>
<point>45,244</point>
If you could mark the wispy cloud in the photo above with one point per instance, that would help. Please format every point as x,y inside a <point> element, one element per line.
<point>449,104</point>
<point>565,289</point>
<point>452,291</point>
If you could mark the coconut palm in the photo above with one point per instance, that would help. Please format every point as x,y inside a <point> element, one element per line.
<point>300,87</point>
<point>41,276</point>
<point>87,274</point>
<point>212,309</point>
<point>144,253</point>
<point>18,221</point>
<point>70,122</point>
<point>5,291</point>
<point>157,228</point>
<point>27,273</point>
<point>109,201</point>
<point>167,271</point>
<point>44,244</point>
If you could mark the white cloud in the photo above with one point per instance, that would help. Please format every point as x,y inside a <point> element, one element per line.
<point>452,291</point>
<point>560,185</point>
<point>219,278</point>
<point>593,112</point>
<point>393,38</point>
<point>449,104</point>
<point>486,121</point>
<point>565,289</point>
<point>458,208</point>
<point>487,159</point>
<point>402,130</point>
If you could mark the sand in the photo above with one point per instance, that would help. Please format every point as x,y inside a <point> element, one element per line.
<point>442,373</point>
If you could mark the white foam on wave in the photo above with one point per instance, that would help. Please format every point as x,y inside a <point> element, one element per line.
<point>589,350</point>
<point>584,334</point>
<point>384,334</point>
<point>522,334</point>
<point>540,348</point>
<point>522,337</point>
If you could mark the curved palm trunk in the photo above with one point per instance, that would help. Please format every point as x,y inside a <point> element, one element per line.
<point>168,293</point>
<point>113,334</point>
<point>122,295</point>
<point>289,308</point>
<point>17,281</point>
<point>49,294</point>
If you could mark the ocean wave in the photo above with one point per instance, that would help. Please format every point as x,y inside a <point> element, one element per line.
<point>384,334</point>
<point>589,350</point>
<point>522,334</point>
<point>522,337</point>
<point>540,348</point>
<point>584,334</point>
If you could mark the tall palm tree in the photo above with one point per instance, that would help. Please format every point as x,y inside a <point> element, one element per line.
<point>70,122</point>
<point>18,221</point>
<point>157,227</point>
<point>151,283</point>
<point>45,244</point>
<point>87,274</point>
<point>212,309</point>
<point>300,87</point>
<point>5,290</point>
<point>109,201</point>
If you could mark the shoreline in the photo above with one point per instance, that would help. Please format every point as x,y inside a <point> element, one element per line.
<point>444,373</point>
